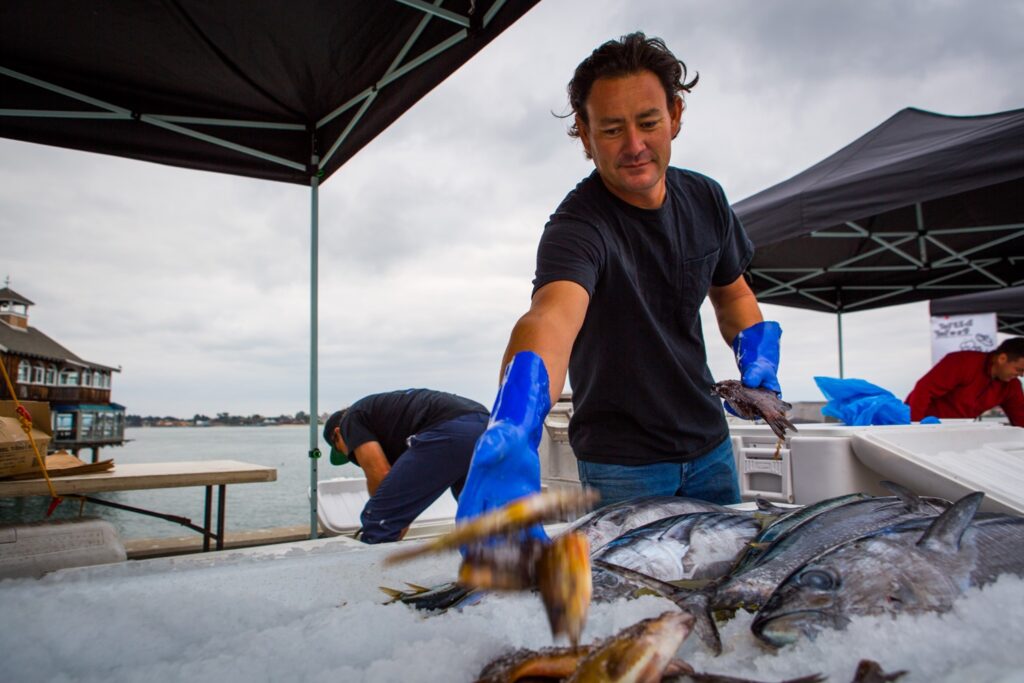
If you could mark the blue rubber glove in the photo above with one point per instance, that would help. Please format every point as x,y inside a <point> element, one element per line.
<point>505,464</point>
<point>757,357</point>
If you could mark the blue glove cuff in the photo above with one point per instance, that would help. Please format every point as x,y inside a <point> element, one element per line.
<point>524,398</point>
<point>757,355</point>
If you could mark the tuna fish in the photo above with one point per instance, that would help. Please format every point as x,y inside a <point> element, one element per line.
<point>752,404</point>
<point>695,547</point>
<point>611,521</point>
<point>910,567</point>
<point>784,523</point>
<point>754,584</point>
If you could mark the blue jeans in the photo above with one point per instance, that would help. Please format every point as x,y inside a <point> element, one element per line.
<point>711,477</point>
<point>437,459</point>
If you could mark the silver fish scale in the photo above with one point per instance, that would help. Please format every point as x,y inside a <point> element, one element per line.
<point>610,522</point>
<point>700,545</point>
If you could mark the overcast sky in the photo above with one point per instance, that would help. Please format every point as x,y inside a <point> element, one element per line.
<point>197,284</point>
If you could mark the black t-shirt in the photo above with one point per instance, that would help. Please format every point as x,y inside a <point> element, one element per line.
<point>392,417</point>
<point>638,369</point>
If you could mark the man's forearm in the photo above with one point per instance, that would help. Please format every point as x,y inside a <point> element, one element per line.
<point>736,308</point>
<point>373,480</point>
<point>549,330</point>
<point>529,334</point>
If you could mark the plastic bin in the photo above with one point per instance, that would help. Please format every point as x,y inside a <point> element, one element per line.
<point>340,503</point>
<point>815,463</point>
<point>950,463</point>
<point>819,460</point>
<point>31,550</point>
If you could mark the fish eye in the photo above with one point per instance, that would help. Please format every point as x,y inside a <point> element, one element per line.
<point>818,579</point>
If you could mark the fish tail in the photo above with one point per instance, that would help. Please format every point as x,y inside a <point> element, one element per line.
<point>392,593</point>
<point>694,602</point>
<point>699,605</point>
<point>780,425</point>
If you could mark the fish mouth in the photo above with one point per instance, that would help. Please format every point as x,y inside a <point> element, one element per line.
<point>779,630</point>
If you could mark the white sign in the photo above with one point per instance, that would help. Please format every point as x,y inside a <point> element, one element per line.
<point>962,333</point>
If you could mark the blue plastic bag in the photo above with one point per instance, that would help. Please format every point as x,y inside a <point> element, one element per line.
<point>857,402</point>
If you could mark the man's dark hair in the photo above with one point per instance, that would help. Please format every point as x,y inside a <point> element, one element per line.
<point>332,422</point>
<point>1012,347</point>
<point>629,55</point>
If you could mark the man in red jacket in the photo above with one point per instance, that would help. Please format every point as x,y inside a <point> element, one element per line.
<point>967,383</point>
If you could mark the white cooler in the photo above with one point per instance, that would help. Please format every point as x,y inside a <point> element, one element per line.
<point>819,461</point>
<point>941,461</point>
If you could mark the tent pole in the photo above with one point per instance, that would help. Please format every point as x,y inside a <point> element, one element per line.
<point>839,325</point>
<point>314,452</point>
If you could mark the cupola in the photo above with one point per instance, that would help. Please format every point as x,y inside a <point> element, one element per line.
<point>13,307</point>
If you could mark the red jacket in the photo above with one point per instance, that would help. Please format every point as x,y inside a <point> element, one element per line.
<point>961,385</point>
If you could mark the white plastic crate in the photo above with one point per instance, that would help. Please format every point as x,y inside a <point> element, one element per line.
<point>814,463</point>
<point>340,503</point>
<point>951,462</point>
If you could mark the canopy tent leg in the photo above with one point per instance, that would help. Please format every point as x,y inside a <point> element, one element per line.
<point>839,326</point>
<point>314,452</point>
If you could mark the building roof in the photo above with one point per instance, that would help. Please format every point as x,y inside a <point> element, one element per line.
<point>8,294</point>
<point>32,343</point>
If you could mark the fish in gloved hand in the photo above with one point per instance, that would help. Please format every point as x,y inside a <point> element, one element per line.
<point>505,464</point>
<point>505,468</point>
<point>497,555</point>
<point>752,404</point>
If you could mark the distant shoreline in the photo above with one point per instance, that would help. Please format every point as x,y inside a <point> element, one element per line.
<point>207,426</point>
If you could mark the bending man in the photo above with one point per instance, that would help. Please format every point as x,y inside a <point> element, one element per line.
<point>411,445</point>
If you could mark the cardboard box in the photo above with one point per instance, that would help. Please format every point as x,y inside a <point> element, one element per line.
<point>16,454</point>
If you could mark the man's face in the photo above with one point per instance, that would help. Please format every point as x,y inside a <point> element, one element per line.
<point>1005,369</point>
<point>337,441</point>
<point>629,135</point>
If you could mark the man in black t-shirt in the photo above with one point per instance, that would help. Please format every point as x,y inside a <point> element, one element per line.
<point>622,268</point>
<point>411,445</point>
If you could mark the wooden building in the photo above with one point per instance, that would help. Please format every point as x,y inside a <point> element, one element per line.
<point>77,390</point>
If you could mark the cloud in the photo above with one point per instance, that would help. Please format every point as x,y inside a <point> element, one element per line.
<point>198,283</point>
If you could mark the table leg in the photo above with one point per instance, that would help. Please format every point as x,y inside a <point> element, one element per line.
<point>222,493</point>
<point>206,519</point>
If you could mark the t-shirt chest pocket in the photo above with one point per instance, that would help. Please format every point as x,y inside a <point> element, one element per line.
<point>695,280</point>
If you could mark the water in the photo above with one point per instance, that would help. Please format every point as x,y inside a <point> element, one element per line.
<point>249,506</point>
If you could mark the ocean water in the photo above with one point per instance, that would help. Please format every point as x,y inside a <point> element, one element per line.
<point>249,506</point>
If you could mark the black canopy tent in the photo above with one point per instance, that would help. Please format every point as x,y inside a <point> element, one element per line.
<point>1007,304</point>
<point>921,207</point>
<point>272,89</point>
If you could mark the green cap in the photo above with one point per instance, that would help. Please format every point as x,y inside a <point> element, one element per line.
<point>334,421</point>
<point>337,457</point>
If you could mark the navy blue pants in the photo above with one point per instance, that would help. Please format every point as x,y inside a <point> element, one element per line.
<point>437,459</point>
<point>710,477</point>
